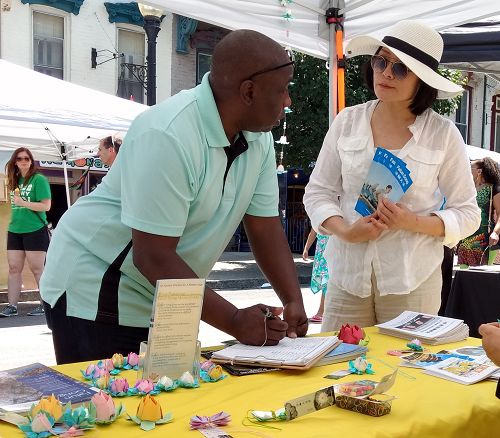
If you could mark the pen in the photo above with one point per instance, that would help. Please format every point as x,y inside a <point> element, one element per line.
<point>268,314</point>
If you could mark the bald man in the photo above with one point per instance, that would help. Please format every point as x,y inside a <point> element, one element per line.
<point>190,170</point>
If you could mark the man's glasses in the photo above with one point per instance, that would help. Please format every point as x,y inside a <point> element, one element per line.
<point>379,64</point>
<point>23,159</point>
<point>291,56</point>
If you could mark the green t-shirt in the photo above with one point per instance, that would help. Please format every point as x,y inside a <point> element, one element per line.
<point>24,220</point>
<point>168,179</point>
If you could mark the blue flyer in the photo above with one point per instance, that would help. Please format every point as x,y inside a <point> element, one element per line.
<point>387,177</point>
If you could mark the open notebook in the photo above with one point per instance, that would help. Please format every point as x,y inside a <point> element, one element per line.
<point>299,353</point>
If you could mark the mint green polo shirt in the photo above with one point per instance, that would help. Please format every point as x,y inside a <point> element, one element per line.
<point>167,180</point>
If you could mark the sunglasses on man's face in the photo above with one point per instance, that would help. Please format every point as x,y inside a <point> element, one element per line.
<point>291,56</point>
<point>379,64</point>
<point>23,159</point>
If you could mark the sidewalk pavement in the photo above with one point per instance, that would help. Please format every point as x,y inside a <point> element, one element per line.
<point>234,270</point>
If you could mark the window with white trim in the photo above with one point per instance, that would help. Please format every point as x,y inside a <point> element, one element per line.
<point>48,44</point>
<point>131,74</point>
<point>462,115</point>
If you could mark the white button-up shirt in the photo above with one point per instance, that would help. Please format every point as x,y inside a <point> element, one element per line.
<point>401,260</point>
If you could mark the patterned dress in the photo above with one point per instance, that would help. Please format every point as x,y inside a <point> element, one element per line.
<point>473,250</point>
<point>319,277</point>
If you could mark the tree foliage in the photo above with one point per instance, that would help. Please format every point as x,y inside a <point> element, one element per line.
<point>307,124</point>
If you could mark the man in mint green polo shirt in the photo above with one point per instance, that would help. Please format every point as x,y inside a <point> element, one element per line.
<point>190,169</point>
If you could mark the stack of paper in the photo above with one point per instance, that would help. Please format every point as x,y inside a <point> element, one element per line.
<point>298,353</point>
<point>342,353</point>
<point>430,329</point>
<point>387,177</point>
<point>463,371</point>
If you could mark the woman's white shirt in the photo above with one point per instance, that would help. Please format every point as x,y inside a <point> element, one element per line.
<point>437,159</point>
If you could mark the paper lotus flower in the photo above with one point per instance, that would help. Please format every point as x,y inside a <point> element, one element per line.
<point>106,364</point>
<point>118,387</point>
<point>360,366</point>
<point>42,422</point>
<point>132,361</point>
<point>415,345</point>
<point>165,384</point>
<point>204,422</point>
<point>144,386</point>
<point>149,413</point>
<point>211,372</point>
<point>118,360</point>
<point>103,409</point>
<point>50,405</point>
<point>351,335</point>
<point>89,372</point>
<point>101,379</point>
<point>187,380</point>
<point>80,417</point>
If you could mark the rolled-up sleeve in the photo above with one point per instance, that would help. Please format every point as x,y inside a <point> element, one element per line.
<point>461,215</point>
<point>321,197</point>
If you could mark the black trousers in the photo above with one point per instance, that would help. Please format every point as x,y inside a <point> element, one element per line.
<point>447,273</point>
<point>81,340</point>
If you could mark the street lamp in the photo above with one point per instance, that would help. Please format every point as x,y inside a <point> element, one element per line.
<point>152,20</point>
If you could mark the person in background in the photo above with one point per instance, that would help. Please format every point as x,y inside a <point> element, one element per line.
<point>491,344</point>
<point>27,236</point>
<point>390,261</point>
<point>108,149</point>
<point>319,275</point>
<point>475,249</point>
<point>190,170</point>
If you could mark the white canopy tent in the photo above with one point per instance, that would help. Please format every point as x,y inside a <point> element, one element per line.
<point>306,30</point>
<point>55,119</point>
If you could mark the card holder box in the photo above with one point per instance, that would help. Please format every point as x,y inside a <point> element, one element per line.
<point>374,408</point>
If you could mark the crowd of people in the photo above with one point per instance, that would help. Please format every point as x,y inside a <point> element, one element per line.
<point>196,165</point>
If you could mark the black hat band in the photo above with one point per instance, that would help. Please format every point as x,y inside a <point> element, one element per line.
<point>412,51</point>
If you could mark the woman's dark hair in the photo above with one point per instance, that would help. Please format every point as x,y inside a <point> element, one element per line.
<point>12,171</point>
<point>112,142</point>
<point>490,170</point>
<point>425,97</point>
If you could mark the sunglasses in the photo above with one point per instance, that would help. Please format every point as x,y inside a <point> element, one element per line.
<point>291,56</point>
<point>379,64</point>
<point>23,159</point>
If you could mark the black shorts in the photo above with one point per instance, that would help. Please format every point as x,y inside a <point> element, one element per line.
<point>34,241</point>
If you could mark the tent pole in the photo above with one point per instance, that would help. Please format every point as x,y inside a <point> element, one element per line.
<point>66,182</point>
<point>335,21</point>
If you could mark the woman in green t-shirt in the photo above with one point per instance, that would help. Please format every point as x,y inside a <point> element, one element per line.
<point>27,236</point>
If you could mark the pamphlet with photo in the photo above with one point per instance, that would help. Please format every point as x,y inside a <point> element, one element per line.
<point>387,177</point>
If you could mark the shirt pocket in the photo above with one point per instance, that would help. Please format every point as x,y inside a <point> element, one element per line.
<point>424,165</point>
<point>352,153</point>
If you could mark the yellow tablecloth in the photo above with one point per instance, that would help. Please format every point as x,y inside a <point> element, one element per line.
<point>425,406</point>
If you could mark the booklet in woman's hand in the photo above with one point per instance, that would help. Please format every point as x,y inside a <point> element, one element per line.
<point>387,177</point>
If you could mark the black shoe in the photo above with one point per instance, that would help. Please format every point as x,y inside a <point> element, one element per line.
<point>37,311</point>
<point>9,310</point>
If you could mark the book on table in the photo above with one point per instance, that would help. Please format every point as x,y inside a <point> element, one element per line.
<point>429,329</point>
<point>23,386</point>
<point>298,353</point>
<point>342,353</point>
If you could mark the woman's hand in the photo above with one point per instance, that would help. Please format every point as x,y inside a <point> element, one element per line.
<point>363,230</point>
<point>396,216</point>
<point>19,201</point>
<point>493,238</point>
<point>305,254</point>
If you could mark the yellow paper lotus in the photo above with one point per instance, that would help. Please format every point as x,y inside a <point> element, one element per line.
<point>149,409</point>
<point>50,405</point>
<point>149,413</point>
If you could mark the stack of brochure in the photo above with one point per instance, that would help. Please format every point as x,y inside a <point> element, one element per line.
<point>387,177</point>
<point>430,329</point>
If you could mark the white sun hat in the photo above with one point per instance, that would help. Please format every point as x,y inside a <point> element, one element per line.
<point>418,46</point>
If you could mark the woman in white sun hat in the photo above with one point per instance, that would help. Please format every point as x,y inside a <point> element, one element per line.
<point>390,261</point>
